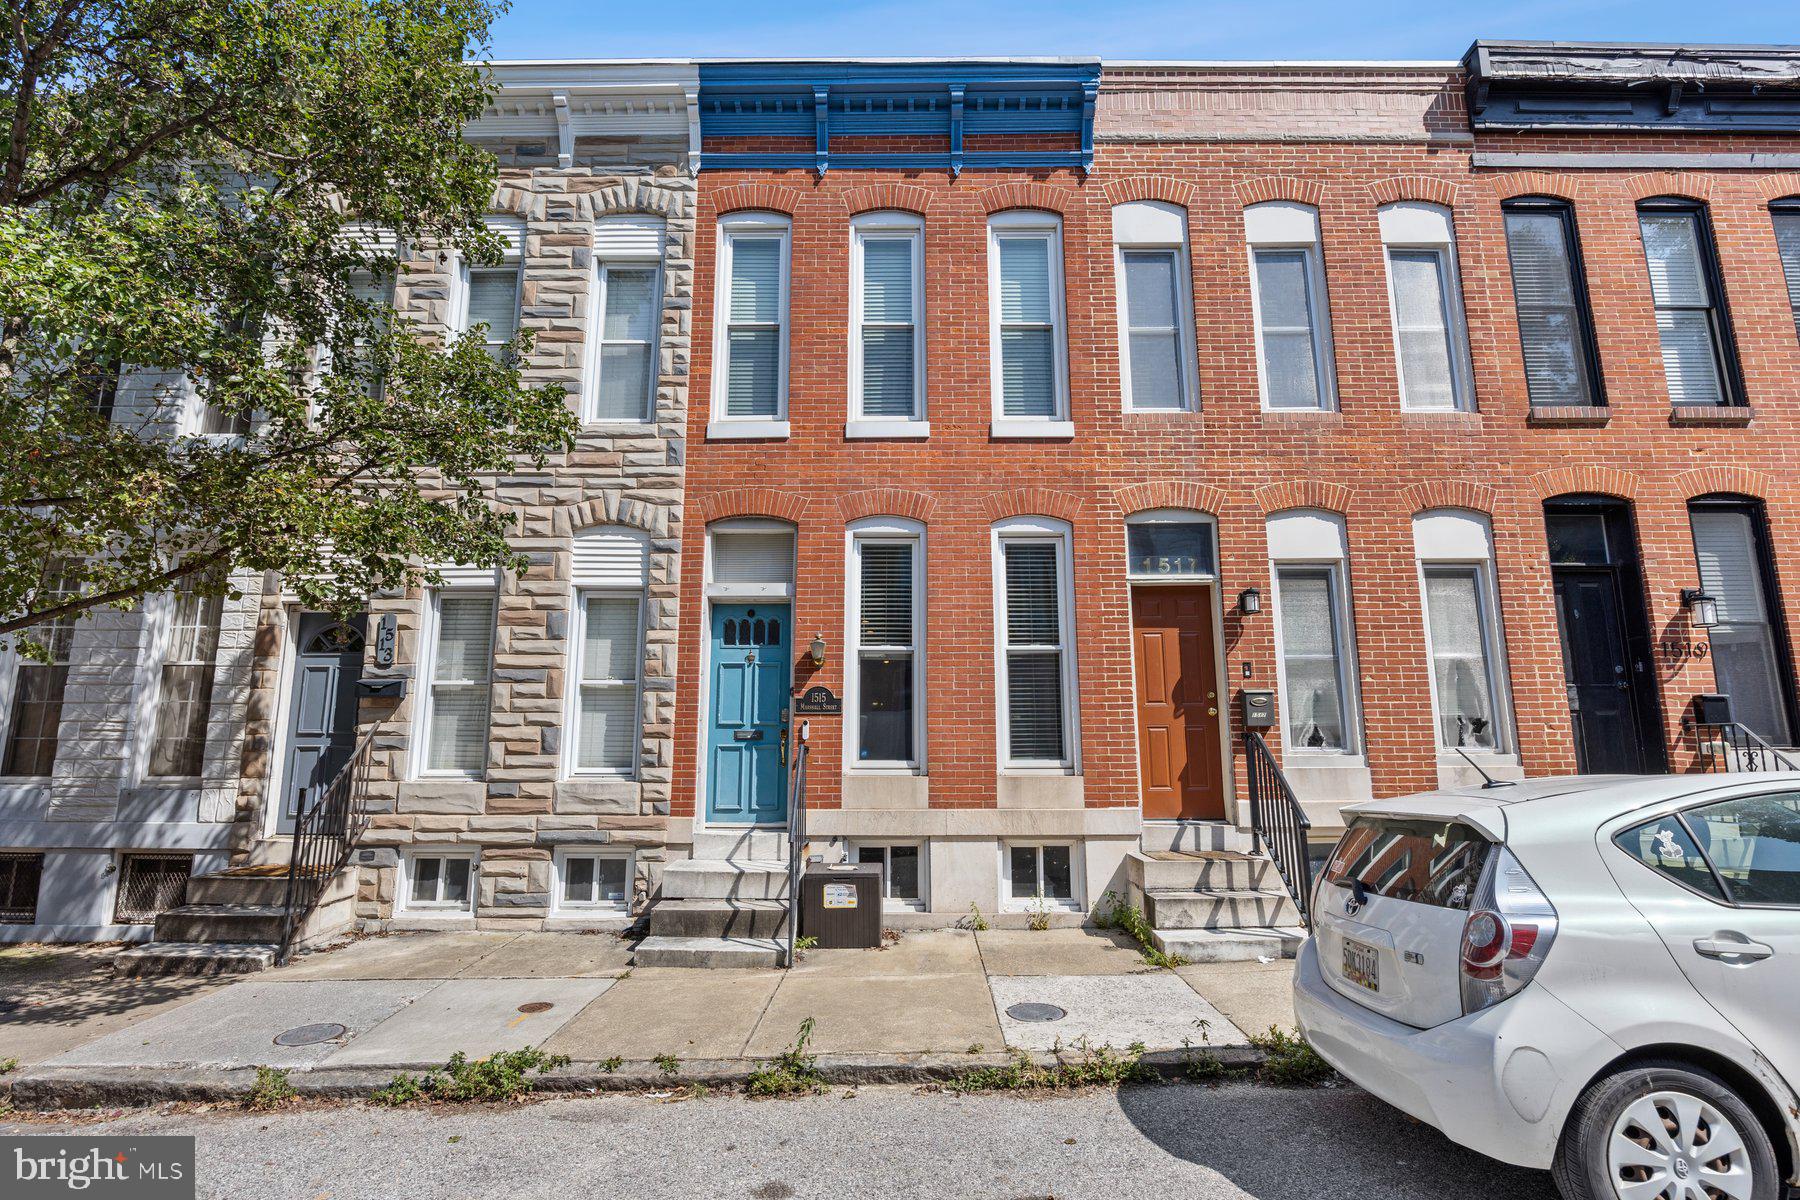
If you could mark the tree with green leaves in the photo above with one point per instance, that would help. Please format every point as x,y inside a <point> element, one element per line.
<point>199,371</point>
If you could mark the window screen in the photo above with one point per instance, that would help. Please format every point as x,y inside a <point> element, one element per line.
<point>1553,321</point>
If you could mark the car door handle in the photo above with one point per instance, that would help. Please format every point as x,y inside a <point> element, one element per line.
<point>1739,948</point>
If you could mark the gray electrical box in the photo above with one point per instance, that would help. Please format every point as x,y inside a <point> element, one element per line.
<point>1259,707</point>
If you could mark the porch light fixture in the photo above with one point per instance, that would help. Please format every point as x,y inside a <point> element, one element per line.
<point>818,651</point>
<point>1250,602</point>
<point>1703,608</point>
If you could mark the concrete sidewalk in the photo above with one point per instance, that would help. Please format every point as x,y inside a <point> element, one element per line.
<point>408,1001</point>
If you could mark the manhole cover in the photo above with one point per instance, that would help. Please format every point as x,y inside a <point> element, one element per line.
<point>536,1006</point>
<point>311,1035</point>
<point>1033,1011</point>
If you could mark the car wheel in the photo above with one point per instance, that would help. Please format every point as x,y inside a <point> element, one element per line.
<point>1665,1131</point>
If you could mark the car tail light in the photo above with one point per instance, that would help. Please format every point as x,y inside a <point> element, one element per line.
<point>1508,934</point>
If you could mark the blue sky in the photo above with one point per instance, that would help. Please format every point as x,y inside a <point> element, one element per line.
<point>1149,29</point>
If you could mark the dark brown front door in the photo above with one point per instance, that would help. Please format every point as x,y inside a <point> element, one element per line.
<point>1177,703</point>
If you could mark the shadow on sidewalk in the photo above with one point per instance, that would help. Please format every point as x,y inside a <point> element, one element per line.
<point>53,998</point>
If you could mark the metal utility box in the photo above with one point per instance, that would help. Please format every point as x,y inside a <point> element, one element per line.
<point>1259,707</point>
<point>1710,708</point>
<point>840,905</point>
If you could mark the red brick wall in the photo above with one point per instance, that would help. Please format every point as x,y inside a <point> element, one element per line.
<point>1369,461</point>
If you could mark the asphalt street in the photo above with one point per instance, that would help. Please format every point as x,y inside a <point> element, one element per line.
<point>1170,1142</point>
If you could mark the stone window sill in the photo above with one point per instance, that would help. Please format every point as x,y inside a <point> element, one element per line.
<point>1037,429</point>
<point>746,429</point>
<point>1568,414</point>
<point>1733,416</point>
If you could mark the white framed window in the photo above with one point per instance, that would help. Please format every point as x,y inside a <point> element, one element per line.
<point>31,699</point>
<point>1431,341</point>
<point>625,323</point>
<point>1314,642</point>
<point>1027,338</point>
<point>609,568</point>
<point>885,633</point>
<point>1462,631</point>
<point>457,652</point>
<point>903,871</point>
<point>1173,544</point>
<point>1156,309</point>
<point>438,882</point>
<point>1035,633</point>
<point>592,880</point>
<point>887,326</point>
<point>1040,874</point>
<point>750,558</point>
<point>750,342</point>
<point>184,691</point>
<point>1296,368</point>
<point>489,295</point>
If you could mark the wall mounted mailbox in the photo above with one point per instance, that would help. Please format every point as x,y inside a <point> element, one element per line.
<point>1259,707</point>
<point>389,687</point>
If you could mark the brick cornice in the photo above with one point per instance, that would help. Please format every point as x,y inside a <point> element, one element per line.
<point>1429,188</point>
<point>1742,481</point>
<point>1302,493</point>
<point>879,196</point>
<point>1605,481</point>
<point>1030,501</point>
<point>1169,493</point>
<point>750,502</point>
<point>1003,196</point>
<point>1265,188</point>
<point>741,196</point>
<point>886,502</point>
<point>1448,493</point>
<point>1149,187</point>
<point>1690,185</point>
<point>1534,183</point>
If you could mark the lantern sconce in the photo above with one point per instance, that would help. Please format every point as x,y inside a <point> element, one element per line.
<point>1250,602</point>
<point>818,651</point>
<point>1703,608</point>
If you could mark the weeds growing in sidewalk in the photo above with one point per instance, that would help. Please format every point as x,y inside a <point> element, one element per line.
<point>501,1077</point>
<point>612,1064</point>
<point>1116,912</point>
<point>1039,920</point>
<point>667,1063</point>
<point>8,1065</point>
<point>974,920</point>
<point>793,1072</point>
<point>1288,1061</point>
<point>270,1091</point>
<point>1095,1067</point>
<point>1202,1066</point>
<point>805,942</point>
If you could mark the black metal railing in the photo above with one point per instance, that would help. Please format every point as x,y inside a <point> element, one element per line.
<point>1734,747</point>
<point>324,834</point>
<point>1278,824</point>
<point>796,839</point>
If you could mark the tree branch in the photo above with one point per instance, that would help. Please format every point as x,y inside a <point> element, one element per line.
<point>82,603</point>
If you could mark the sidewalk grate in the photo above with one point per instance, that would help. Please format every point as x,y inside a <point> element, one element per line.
<point>311,1035</point>
<point>1032,1011</point>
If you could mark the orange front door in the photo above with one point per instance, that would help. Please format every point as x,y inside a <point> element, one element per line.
<point>1177,703</point>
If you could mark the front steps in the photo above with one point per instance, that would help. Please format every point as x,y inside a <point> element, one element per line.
<point>726,907</point>
<point>1214,905</point>
<point>231,923</point>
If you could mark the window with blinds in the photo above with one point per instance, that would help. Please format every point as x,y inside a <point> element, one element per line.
<point>607,725</point>
<point>1690,317</point>
<point>491,302</point>
<point>1786,214</point>
<point>1289,320</point>
<point>38,685</point>
<point>630,310</point>
<point>456,733</point>
<point>377,292</point>
<point>1153,353</point>
<point>753,347</point>
<point>1550,297</point>
<point>1027,317</point>
<point>886,629</point>
<point>1313,683</point>
<point>1424,326</point>
<point>1459,627</point>
<point>1746,657</point>
<point>184,697</point>
<point>889,379</point>
<point>1035,648</point>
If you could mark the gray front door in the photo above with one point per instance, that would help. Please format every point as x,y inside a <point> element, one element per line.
<point>321,725</point>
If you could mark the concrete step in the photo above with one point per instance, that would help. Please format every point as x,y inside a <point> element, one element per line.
<point>709,952</point>
<point>764,845</point>
<point>258,886</point>
<point>719,918</point>
<point>1218,909</point>
<point>705,879</point>
<point>1216,870</point>
<point>195,958</point>
<point>220,923</point>
<point>1193,835</point>
<point>1230,945</point>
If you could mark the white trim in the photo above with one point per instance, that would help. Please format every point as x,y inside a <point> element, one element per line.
<point>593,359</point>
<point>405,904</point>
<point>889,902</point>
<point>577,682</point>
<point>731,227</point>
<point>1154,226</point>
<point>745,428</point>
<point>887,226</point>
<point>426,670</point>
<point>887,531</point>
<point>1282,225</point>
<point>1461,539</point>
<point>1057,533</point>
<point>1416,226</point>
<point>1047,226</point>
<point>886,428</point>
<point>1074,902</point>
<point>1309,539</point>
<point>560,907</point>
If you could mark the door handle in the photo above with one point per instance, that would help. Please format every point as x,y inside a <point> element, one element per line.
<point>1732,946</point>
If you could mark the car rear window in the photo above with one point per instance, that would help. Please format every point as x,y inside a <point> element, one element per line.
<point>1425,862</point>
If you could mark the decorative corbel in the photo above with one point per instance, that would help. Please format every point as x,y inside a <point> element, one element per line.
<point>956,129</point>
<point>821,128</point>
<point>1090,93</point>
<point>565,131</point>
<point>692,93</point>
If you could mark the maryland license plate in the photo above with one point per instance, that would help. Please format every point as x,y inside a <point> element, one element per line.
<point>1362,965</point>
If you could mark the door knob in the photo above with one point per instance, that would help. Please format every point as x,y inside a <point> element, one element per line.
<point>1212,712</point>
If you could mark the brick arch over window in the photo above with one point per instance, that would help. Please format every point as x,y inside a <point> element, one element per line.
<point>1030,501</point>
<point>1303,493</point>
<point>750,502</point>
<point>1003,196</point>
<point>766,196</point>
<point>1779,187</point>
<point>886,502</point>
<point>1585,480</point>
<point>632,196</point>
<point>612,508</point>
<point>1448,493</point>
<point>1740,481</point>
<point>517,202</point>
<point>1428,188</point>
<point>1535,183</point>
<point>1686,185</point>
<point>882,196</point>
<point>1280,187</point>
<point>1149,187</point>
<point>1169,493</point>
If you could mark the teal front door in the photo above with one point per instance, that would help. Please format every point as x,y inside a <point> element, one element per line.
<point>746,744</point>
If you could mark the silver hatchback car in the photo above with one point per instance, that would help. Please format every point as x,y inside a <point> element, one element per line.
<point>1596,975</point>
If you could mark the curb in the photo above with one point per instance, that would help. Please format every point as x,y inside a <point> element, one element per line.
<point>51,1088</point>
